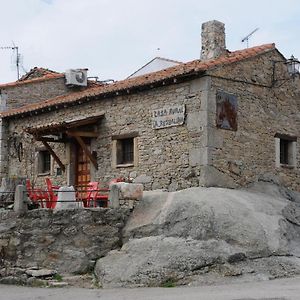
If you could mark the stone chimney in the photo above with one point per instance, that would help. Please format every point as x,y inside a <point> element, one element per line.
<point>213,40</point>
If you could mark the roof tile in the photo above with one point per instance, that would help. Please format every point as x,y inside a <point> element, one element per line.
<point>144,80</point>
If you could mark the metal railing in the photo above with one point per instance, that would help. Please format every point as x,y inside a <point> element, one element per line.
<point>43,198</point>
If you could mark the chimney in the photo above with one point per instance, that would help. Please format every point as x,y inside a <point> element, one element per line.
<point>213,40</point>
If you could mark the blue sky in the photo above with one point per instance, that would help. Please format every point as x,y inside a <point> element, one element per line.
<point>113,38</point>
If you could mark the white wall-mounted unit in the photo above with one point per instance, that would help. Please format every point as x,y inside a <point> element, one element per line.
<point>76,77</point>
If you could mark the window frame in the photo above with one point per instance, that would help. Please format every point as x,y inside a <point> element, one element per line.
<point>41,170</point>
<point>286,151</point>
<point>118,160</point>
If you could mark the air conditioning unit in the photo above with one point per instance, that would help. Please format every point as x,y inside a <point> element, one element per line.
<point>77,77</point>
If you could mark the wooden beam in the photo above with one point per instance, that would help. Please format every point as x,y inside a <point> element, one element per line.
<point>56,158</point>
<point>91,134</point>
<point>86,121</point>
<point>48,139</point>
<point>86,151</point>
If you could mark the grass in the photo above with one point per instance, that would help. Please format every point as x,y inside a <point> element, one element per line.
<point>57,277</point>
<point>169,283</point>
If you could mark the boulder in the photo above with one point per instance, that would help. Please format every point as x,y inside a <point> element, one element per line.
<point>150,261</point>
<point>130,191</point>
<point>40,272</point>
<point>177,236</point>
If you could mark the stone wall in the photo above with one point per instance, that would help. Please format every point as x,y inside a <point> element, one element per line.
<point>25,93</point>
<point>3,148</point>
<point>168,158</point>
<point>68,241</point>
<point>248,154</point>
<point>20,94</point>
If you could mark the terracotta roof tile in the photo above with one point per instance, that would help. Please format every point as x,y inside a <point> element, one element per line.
<point>33,80</point>
<point>37,73</point>
<point>189,68</point>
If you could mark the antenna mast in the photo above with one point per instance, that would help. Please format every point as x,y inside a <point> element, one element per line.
<point>15,48</point>
<point>247,37</point>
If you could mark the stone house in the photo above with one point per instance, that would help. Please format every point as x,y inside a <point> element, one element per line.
<point>37,85</point>
<point>228,119</point>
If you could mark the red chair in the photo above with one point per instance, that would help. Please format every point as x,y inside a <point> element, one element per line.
<point>37,195</point>
<point>52,192</point>
<point>94,197</point>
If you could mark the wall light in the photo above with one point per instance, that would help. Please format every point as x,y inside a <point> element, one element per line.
<point>293,67</point>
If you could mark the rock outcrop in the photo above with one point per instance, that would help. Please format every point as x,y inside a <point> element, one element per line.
<point>205,235</point>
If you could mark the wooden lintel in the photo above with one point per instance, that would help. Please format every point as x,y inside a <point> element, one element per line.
<point>48,139</point>
<point>86,151</point>
<point>56,158</point>
<point>91,134</point>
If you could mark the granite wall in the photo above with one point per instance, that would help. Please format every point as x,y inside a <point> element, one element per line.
<point>247,155</point>
<point>168,158</point>
<point>68,241</point>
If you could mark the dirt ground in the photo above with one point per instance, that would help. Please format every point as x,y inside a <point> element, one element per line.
<point>279,289</point>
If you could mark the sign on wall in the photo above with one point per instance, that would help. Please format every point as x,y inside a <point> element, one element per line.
<point>168,116</point>
<point>226,111</point>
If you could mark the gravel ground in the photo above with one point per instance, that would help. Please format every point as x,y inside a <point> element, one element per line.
<point>279,289</point>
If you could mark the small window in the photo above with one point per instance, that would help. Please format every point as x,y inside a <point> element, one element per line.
<point>285,150</point>
<point>124,151</point>
<point>44,161</point>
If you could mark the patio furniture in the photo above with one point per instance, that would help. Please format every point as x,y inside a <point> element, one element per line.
<point>94,196</point>
<point>37,195</point>
<point>52,192</point>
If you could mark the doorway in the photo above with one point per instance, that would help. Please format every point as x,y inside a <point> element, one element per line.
<point>82,169</point>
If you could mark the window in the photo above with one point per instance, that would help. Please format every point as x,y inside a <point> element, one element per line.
<point>285,150</point>
<point>44,161</point>
<point>124,150</point>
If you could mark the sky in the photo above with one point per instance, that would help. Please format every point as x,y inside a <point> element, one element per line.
<point>114,38</point>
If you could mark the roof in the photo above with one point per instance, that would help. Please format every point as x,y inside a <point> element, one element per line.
<point>166,76</point>
<point>37,73</point>
<point>156,64</point>
<point>55,127</point>
<point>34,75</point>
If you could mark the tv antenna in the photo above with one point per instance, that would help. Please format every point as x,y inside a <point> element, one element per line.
<point>247,37</point>
<point>17,61</point>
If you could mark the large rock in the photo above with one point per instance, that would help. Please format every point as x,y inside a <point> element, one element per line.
<point>41,272</point>
<point>152,260</point>
<point>182,234</point>
<point>133,191</point>
<point>250,221</point>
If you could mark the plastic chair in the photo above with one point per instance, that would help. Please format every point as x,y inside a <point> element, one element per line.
<point>94,197</point>
<point>52,192</point>
<point>36,195</point>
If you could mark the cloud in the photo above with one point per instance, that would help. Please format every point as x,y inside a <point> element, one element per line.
<point>47,1</point>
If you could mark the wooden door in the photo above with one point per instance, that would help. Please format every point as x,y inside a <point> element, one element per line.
<point>83,171</point>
